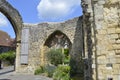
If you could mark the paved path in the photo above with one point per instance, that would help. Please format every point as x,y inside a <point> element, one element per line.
<point>9,74</point>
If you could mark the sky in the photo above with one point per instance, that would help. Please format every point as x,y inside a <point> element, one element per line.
<point>38,11</point>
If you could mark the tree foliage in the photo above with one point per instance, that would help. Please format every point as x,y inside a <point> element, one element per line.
<point>8,56</point>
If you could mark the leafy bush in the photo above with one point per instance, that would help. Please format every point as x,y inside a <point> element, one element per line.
<point>55,56</point>
<point>67,60</point>
<point>48,70</point>
<point>62,73</point>
<point>8,56</point>
<point>66,52</point>
<point>39,70</point>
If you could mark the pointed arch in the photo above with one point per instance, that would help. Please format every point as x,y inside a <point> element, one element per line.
<point>58,38</point>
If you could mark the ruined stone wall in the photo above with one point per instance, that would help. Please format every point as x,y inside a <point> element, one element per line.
<point>39,34</point>
<point>107,20</point>
<point>77,52</point>
<point>101,37</point>
<point>103,19</point>
<point>89,40</point>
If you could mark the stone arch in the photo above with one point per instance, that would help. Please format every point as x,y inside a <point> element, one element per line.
<point>58,38</point>
<point>13,16</point>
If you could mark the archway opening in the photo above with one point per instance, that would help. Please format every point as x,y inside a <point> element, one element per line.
<point>55,53</point>
<point>58,40</point>
<point>58,45</point>
<point>7,44</point>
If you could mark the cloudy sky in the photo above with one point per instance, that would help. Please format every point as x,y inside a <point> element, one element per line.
<point>36,11</point>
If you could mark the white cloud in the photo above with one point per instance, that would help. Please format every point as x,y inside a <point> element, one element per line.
<point>3,20</point>
<point>55,9</point>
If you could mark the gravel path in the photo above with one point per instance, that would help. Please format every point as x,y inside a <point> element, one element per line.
<point>9,74</point>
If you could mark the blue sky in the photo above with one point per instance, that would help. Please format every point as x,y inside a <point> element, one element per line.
<point>37,11</point>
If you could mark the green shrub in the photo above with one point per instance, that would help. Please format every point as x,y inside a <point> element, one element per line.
<point>8,56</point>
<point>62,73</point>
<point>55,56</point>
<point>50,69</point>
<point>39,70</point>
<point>66,52</point>
<point>67,60</point>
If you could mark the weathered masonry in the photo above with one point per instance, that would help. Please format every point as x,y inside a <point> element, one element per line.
<point>95,36</point>
<point>101,20</point>
<point>37,38</point>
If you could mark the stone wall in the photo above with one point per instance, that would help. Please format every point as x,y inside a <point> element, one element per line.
<point>107,25</point>
<point>103,18</point>
<point>77,51</point>
<point>39,34</point>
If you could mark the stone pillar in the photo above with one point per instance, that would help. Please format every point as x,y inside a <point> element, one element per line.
<point>43,57</point>
<point>17,60</point>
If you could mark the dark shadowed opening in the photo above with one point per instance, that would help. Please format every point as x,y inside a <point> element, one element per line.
<point>58,40</point>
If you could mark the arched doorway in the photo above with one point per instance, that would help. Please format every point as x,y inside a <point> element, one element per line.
<point>57,41</point>
<point>16,21</point>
